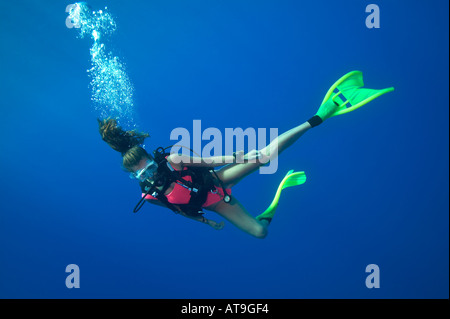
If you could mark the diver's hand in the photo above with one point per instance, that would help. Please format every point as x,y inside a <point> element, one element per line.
<point>239,156</point>
<point>216,226</point>
<point>254,155</point>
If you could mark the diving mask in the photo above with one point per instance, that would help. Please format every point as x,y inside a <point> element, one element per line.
<point>147,172</point>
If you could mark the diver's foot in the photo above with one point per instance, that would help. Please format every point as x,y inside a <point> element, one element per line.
<point>326,110</point>
<point>265,220</point>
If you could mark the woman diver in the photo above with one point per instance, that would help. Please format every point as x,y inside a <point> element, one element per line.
<point>187,184</point>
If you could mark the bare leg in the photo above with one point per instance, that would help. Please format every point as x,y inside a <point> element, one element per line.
<point>236,213</point>
<point>234,173</point>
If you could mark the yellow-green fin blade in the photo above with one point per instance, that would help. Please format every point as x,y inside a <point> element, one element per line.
<point>350,86</point>
<point>294,179</point>
<point>291,179</point>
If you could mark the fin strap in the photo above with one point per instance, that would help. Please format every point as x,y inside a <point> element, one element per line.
<point>315,120</point>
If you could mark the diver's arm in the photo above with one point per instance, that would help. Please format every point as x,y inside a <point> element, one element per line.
<point>178,161</point>
<point>155,202</point>
<point>201,219</point>
<point>198,218</point>
<point>213,161</point>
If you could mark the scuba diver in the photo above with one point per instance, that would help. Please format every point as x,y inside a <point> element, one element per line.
<point>187,184</point>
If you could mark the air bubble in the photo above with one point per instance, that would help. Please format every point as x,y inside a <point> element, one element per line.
<point>112,90</point>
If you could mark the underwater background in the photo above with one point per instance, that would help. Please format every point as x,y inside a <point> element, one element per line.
<point>377,178</point>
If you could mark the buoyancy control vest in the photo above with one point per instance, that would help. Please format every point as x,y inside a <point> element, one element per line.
<point>202,183</point>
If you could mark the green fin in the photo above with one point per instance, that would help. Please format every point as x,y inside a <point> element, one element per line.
<point>350,87</point>
<point>294,180</point>
<point>291,179</point>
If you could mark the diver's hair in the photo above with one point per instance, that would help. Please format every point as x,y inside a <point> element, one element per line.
<point>133,156</point>
<point>125,142</point>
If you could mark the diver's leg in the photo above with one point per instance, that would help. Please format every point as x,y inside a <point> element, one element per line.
<point>236,213</point>
<point>233,174</point>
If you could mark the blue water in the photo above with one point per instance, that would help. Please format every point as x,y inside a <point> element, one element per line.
<point>377,187</point>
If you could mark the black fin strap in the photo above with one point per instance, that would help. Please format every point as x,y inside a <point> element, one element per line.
<point>315,120</point>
